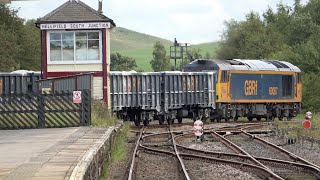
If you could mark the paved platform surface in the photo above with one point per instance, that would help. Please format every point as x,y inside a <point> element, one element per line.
<point>44,153</point>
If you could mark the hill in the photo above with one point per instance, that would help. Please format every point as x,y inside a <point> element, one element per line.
<point>140,46</point>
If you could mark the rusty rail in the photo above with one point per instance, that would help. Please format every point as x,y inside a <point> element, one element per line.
<point>295,165</point>
<point>292,156</point>
<point>178,156</point>
<point>237,149</point>
<point>260,171</point>
<point>134,155</point>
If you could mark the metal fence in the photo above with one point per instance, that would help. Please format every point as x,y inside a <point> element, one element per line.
<point>68,83</point>
<point>35,110</point>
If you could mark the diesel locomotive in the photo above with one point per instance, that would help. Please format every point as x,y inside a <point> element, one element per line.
<point>253,88</point>
<point>209,89</point>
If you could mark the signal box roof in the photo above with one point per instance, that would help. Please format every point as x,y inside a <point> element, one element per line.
<point>74,11</point>
<point>240,64</point>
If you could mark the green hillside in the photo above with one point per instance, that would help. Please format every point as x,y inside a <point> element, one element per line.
<point>140,46</point>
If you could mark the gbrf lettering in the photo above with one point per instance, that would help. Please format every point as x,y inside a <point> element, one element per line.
<point>251,87</point>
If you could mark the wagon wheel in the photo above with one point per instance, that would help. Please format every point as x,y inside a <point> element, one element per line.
<point>161,119</point>
<point>270,118</point>
<point>218,119</point>
<point>235,118</point>
<point>146,122</point>
<point>170,121</point>
<point>137,120</point>
<point>194,116</point>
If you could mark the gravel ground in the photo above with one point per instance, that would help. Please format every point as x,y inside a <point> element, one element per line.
<point>260,150</point>
<point>257,149</point>
<point>210,144</point>
<point>203,170</point>
<point>302,149</point>
<point>157,167</point>
<point>152,166</point>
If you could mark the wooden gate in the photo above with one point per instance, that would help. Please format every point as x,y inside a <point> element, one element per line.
<point>34,110</point>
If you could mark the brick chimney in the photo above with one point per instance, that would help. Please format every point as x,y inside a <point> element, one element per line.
<point>100,7</point>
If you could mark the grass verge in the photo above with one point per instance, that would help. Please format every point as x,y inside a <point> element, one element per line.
<point>294,129</point>
<point>118,151</point>
<point>101,115</point>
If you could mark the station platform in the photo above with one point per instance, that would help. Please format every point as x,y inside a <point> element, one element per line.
<point>64,153</point>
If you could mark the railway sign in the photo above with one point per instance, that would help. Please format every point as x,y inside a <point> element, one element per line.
<point>309,114</point>
<point>306,124</point>
<point>77,97</point>
<point>198,128</point>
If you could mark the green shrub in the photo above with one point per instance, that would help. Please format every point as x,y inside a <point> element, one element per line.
<point>101,115</point>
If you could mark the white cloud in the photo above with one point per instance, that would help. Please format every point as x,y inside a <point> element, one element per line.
<point>193,21</point>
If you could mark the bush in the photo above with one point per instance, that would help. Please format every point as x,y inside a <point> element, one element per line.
<point>101,115</point>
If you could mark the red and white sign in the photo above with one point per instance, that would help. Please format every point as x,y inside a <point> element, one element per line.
<point>198,128</point>
<point>309,115</point>
<point>77,97</point>
<point>306,124</point>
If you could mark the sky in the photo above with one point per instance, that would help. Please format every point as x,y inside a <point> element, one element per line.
<point>190,21</point>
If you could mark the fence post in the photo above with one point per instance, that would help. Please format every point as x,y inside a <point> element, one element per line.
<point>86,107</point>
<point>41,110</point>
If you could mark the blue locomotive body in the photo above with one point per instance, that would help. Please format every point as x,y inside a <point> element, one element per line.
<point>261,86</point>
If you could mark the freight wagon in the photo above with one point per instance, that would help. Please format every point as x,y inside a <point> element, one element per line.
<point>163,96</point>
<point>19,82</point>
<point>253,88</point>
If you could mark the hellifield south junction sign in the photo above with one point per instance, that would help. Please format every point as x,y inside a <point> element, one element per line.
<point>97,25</point>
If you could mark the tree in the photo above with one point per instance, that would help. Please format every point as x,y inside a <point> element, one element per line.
<point>122,63</point>
<point>207,56</point>
<point>20,42</point>
<point>30,54</point>
<point>196,53</point>
<point>160,61</point>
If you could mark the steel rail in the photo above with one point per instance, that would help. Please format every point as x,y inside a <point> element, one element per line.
<point>305,167</point>
<point>291,155</point>
<point>134,155</point>
<point>237,149</point>
<point>258,170</point>
<point>242,126</point>
<point>151,126</point>
<point>178,156</point>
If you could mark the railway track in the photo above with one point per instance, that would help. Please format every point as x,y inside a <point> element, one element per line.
<point>286,164</point>
<point>166,142</point>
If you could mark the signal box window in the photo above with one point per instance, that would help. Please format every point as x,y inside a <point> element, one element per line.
<point>75,47</point>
